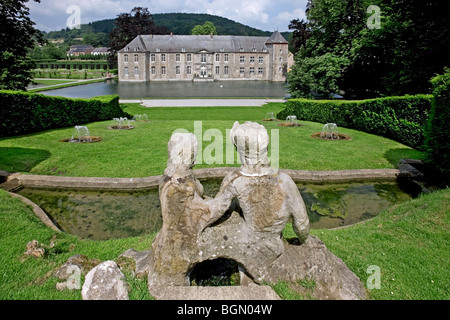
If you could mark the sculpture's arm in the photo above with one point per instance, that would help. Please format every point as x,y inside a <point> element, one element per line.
<point>222,201</point>
<point>297,210</point>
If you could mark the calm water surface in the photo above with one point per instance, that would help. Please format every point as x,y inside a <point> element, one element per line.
<point>100,215</point>
<point>176,89</point>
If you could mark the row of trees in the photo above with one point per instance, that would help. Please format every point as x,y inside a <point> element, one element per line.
<point>369,48</point>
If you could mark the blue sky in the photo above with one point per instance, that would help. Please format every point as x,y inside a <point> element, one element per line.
<point>267,15</point>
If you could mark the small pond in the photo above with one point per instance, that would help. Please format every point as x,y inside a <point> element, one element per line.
<point>100,215</point>
<point>175,89</point>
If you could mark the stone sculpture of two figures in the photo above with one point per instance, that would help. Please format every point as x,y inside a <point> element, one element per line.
<point>197,228</point>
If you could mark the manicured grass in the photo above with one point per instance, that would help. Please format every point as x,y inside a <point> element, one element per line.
<point>50,82</point>
<point>143,151</point>
<point>63,84</point>
<point>409,243</point>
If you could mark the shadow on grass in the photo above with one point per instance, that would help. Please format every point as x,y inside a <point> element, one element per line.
<point>394,155</point>
<point>21,159</point>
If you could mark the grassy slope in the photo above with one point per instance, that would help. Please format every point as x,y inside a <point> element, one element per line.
<point>143,150</point>
<point>409,243</point>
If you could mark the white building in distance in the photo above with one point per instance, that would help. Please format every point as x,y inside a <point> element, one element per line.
<point>199,57</point>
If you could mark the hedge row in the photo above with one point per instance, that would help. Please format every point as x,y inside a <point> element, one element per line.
<point>22,112</point>
<point>400,118</point>
<point>437,133</point>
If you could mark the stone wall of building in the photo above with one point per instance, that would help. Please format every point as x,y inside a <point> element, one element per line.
<point>137,62</point>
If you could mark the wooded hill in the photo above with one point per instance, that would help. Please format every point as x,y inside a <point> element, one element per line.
<point>96,33</point>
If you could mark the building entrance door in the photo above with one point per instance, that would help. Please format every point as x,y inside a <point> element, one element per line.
<point>203,72</point>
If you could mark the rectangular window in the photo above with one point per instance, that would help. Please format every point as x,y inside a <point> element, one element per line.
<point>252,59</point>
<point>241,70</point>
<point>217,70</point>
<point>152,57</point>
<point>252,70</point>
<point>163,70</point>
<point>260,70</point>
<point>125,58</point>
<point>177,57</point>
<point>203,57</point>
<point>188,57</point>
<point>177,70</point>
<point>261,59</point>
<point>241,59</point>
<point>153,70</point>
<point>136,58</point>
<point>136,71</point>
<point>163,57</point>
<point>217,57</point>
<point>225,71</point>
<point>126,71</point>
<point>226,57</point>
<point>189,70</point>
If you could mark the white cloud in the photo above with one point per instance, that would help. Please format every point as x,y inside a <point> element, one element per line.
<point>263,14</point>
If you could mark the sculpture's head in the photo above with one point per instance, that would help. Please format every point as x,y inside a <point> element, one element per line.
<point>251,141</point>
<point>182,149</point>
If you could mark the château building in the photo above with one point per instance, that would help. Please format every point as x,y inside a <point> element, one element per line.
<point>200,57</point>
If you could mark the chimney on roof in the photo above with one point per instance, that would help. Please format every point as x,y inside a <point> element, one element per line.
<point>211,35</point>
<point>171,35</point>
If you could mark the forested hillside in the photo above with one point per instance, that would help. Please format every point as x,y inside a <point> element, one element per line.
<point>96,33</point>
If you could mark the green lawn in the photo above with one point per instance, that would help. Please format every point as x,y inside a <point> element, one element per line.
<point>143,151</point>
<point>408,242</point>
<point>50,82</point>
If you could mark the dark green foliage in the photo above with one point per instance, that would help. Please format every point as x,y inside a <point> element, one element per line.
<point>410,45</point>
<point>437,133</point>
<point>70,64</point>
<point>23,112</point>
<point>400,118</point>
<point>17,36</point>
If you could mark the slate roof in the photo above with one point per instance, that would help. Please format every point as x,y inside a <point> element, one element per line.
<point>197,43</point>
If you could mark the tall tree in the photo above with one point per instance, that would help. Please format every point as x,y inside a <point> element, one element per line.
<point>206,29</point>
<point>299,35</point>
<point>324,56</point>
<point>130,25</point>
<point>17,37</point>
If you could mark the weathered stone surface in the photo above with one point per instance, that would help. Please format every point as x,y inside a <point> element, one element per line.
<point>81,261</point>
<point>196,228</point>
<point>252,292</point>
<point>185,215</point>
<point>141,261</point>
<point>313,261</point>
<point>105,282</point>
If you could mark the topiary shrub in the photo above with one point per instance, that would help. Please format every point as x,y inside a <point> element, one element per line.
<point>399,118</point>
<point>437,133</point>
<point>22,112</point>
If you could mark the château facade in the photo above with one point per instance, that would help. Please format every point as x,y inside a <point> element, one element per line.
<point>200,57</point>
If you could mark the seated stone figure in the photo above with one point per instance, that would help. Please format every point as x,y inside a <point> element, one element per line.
<point>185,214</point>
<point>267,199</point>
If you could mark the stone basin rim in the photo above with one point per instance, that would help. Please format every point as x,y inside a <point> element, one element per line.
<point>151,182</point>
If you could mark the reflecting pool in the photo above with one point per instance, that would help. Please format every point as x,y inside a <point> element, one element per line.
<point>100,215</point>
<point>175,89</point>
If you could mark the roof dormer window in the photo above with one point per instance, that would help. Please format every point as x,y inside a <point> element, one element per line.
<point>127,48</point>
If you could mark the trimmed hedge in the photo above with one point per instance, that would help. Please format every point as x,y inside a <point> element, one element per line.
<point>437,133</point>
<point>399,118</point>
<point>23,112</point>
